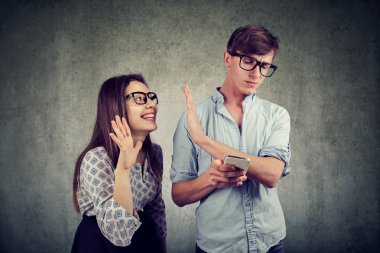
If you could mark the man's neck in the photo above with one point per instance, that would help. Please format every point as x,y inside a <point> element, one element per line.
<point>232,96</point>
<point>233,101</point>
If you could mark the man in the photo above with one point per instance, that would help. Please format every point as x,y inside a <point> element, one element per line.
<point>238,211</point>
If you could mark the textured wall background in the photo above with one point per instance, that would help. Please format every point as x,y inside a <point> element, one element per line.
<point>55,55</point>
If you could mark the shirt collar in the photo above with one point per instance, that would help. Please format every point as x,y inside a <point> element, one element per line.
<point>218,97</point>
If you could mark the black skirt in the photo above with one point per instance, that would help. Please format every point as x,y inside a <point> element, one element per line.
<point>89,238</point>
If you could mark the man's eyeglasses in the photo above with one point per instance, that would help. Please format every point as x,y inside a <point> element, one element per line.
<point>248,63</point>
<point>141,98</point>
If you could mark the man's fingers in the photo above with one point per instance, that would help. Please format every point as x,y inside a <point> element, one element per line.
<point>217,178</point>
<point>227,173</point>
<point>221,184</point>
<point>215,164</point>
<point>225,185</point>
<point>187,97</point>
<point>191,101</point>
<point>243,178</point>
<point>227,167</point>
<point>237,173</point>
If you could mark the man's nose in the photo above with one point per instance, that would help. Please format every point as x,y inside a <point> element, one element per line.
<point>255,72</point>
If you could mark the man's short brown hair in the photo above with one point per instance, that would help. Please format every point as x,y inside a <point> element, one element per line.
<point>252,39</point>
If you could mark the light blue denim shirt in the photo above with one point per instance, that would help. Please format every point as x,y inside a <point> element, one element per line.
<point>242,219</point>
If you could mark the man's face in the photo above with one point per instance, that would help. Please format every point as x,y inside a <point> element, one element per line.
<point>246,82</point>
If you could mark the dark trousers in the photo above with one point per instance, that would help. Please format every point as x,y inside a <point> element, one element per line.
<point>89,238</point>
<point>279,248</point>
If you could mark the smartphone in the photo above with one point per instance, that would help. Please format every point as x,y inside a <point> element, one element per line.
<point>240,163</point>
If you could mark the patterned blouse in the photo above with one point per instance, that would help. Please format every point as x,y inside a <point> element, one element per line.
<point>95,196</point>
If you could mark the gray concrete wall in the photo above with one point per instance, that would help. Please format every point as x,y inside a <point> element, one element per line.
<point>55,55</point>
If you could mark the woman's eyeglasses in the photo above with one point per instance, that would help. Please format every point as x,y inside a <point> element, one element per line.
<point>141,98</point>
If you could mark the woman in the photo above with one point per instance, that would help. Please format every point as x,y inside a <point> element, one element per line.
<point>119,174</point>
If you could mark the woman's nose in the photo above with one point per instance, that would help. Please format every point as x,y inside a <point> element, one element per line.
<point>150,103</point>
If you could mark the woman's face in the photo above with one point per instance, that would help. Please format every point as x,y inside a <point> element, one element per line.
<point>141,117</point>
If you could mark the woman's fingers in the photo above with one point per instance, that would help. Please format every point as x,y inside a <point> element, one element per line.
<point>120,125</point>
<point>126,127</point>
<point>116,129</point>
<point>122,136</point>
<point>116,140</point>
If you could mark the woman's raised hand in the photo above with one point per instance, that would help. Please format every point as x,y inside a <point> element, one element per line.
<point>123,138</point>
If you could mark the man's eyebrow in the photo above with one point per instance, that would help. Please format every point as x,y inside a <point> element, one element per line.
<point>254,58</point>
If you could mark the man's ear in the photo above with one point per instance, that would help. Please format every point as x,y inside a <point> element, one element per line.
<point>227,59</point>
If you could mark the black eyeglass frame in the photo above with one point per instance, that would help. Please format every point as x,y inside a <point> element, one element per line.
<point>274,67</point>
<point>151,95</point>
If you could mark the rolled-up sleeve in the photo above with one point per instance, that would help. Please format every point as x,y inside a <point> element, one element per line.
<point>115,223</point>
<point>184,160</point>
<point>277,145</point>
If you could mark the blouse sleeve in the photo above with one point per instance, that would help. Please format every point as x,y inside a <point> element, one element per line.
<point>97,177</point>
<point>156,208</point>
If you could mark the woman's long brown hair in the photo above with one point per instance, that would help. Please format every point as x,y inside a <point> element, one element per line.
<point>111,102</point>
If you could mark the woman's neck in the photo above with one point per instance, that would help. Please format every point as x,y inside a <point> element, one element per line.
<point>141,157</point>
<point>139,137</point>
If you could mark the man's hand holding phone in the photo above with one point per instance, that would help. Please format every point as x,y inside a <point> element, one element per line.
<point>225,175</point>
<point>240,163</point>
